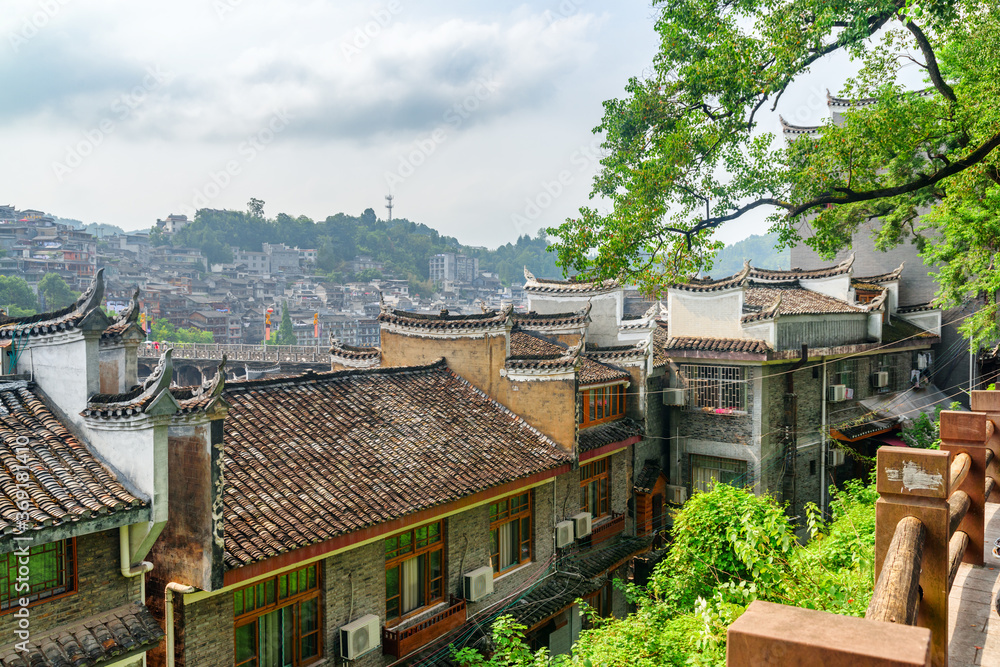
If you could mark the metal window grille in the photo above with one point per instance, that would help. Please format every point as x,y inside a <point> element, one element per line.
<point>718,387</point>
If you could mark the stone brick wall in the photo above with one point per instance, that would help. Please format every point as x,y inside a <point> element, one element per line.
<point>353,586</point>
<point>100,587</point>
<point>204,631</point>
<point>621,480</point>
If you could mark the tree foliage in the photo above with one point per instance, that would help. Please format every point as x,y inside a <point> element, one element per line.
<point>730,548</point>
<point>163,330</point>
<point>685,153</point>
<point>15,291</point>
<point>56,292</point>
<point>285,333</point>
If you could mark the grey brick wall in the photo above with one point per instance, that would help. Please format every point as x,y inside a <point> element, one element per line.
<point>205,631</point>
<point>100,587</point>
<point>353,586</point>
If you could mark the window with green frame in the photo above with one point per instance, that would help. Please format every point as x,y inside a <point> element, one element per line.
<point>49,570</point>
<point>510,532</point>
<point>414,570</point>
<point>278,620</point>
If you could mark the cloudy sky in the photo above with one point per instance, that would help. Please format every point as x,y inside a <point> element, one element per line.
<point>468,113</point>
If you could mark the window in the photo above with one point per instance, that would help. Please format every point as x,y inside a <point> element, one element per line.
<point>278,620</point>
<point>48,571</point>
<point>603,404</point>
<point>706,470</point>
<point>414,570</point>
<point>510,532</point>
<point>720,389</point>
<point>596,485</point>
<point>600,602</point>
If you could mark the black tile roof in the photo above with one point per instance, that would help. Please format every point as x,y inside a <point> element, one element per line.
<point>607,433</point>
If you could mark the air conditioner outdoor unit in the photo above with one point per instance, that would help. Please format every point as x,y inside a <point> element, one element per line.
<point>673,396</point>
<point>360,637</point>
<point>677,494</point>
<point>478,583</point>
<point>880,379</point>
<point>581,524</point>
<point>836,457</point>
<point>564,534</point>
<point>836,392</point>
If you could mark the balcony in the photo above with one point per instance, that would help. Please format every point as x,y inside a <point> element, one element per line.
<point>400,643</point>
<point>607,529</point>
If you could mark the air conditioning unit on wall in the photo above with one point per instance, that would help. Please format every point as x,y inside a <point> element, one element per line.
<point>581,524</point>
<point>360,637</point>
<point>676,494</point>
<point>673,396</point>
<point>479,583</point>
<point>836,393</point>
<point>564,534</point>
<point>835,457</point>
<point>880,379</point>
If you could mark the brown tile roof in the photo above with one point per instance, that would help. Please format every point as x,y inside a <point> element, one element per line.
<point>795,300</point>
<point>527,347</point>
<point>100,639</point>
<point>617,353</point>
<point>594,372</point>
<point>660,337</point>
<point>750,345</point>
<point>66,481</point>
<point>882,277</point>
<point>70,317</point>
<point>445,321</point>
<point>571,286</point>
<point>607,433</point>
<point>321,455</point>
<point>137,399</point>
<point>352,352</point>
<point>646,479</point>
<point>533,320</point>
<point>796,273</point>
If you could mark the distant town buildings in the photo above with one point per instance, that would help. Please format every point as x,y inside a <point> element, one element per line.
<point>449,267</point>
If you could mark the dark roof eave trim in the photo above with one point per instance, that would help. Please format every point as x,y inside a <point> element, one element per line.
<point>609,448</point>
<point>96,524</point>
<point>289,558</point>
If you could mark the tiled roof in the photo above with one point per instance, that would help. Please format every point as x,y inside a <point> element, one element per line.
<point>63,319</point>
<point>595,372</point>
<point>646,479</point>
<point>127,318</point>
<point>98,640</point>
<point>527,349</point>
<point>571,286</point>
<point>751,345</point>
<point>322,455</point>
<point>445,321</point>
<point>795,299</point>
<point>344,351</point>
<point>916,308</point>
<point>804,274</point>
<point>138,398</point>
<point>550,597</point>
<point>594,563</point>
<point>533,320</point>
<point>660,337</point>
<point>788,128</point>
<point>709,285</point>
<point>618,353</point>
<point>607,433</point>
<point>883,277</point>
<point>898,330</point>
<point>200,397</point>
<point>67,482</point>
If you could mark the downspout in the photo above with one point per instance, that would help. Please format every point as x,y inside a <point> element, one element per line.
<point>168,614</point>
<point>128,571</point>
<point>823,436</point>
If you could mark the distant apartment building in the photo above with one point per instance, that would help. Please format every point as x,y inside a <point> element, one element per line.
<point>256,263</point>
<point>363,263</point>
<point>449,267</point>
<point>173,223</point>
<point>282,258</point>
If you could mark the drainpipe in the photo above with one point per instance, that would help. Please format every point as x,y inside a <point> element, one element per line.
<point>128,571</point>
<point>823,436</point>
<point>168,614</point>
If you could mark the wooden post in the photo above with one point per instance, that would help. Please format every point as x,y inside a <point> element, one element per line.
<point>915,483</point>
<point>989,403</point>
<point>966,432</point>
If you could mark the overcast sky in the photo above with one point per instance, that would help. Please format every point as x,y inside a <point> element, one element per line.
<point>468,113</point>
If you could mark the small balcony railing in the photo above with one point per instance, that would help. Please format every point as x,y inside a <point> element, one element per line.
<point>400,643</point>
<point>607,529</point>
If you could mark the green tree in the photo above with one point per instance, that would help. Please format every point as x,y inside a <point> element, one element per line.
<point>15,291</point>
<point>685,152</point>
<point>163,330</point>
<point>285,334</point>
<point>255,207</point>
<point>55,291</point>
<point>368,275</point>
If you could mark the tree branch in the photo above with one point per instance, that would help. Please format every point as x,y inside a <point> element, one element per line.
<point>932,66</point>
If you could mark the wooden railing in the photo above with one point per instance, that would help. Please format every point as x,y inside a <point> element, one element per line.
<point>929,519</point>
<point>400,643</point>
<point>607,529</point>
<point>274,353</point>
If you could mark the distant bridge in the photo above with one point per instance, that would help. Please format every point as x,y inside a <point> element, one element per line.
<point>197,362</point>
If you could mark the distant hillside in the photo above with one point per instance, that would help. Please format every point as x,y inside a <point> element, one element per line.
<point>758,249</point>
<point>403,247</point>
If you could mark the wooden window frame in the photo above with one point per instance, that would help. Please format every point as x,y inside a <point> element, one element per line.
<point>414,551</point>
<point>290,600</point>
<point>70,573</point>
<point>603,404</point>
<point>594,472</point>
<point>501,518</point>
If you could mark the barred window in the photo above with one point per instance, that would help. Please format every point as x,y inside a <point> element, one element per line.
<point>48,571</point>
<point>718,388</point>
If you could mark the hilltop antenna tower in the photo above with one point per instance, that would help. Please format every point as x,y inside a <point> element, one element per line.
<point>388,205</point>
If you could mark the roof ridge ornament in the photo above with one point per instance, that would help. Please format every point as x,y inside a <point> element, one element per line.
<point>528,275</point>
<point>93,295</point>
<point>847,263</point>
